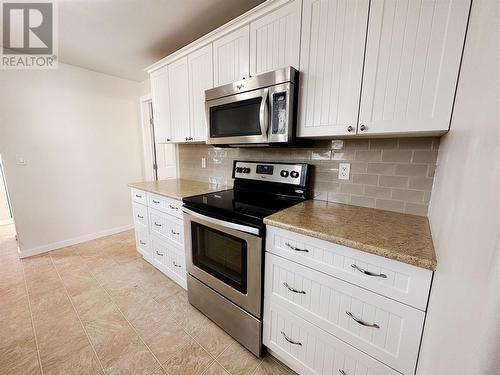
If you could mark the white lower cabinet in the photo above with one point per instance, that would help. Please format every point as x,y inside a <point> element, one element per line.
<point>308,349</point>
<point>320,318</point>
<point>159,233</point>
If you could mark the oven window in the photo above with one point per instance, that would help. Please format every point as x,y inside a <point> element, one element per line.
<point>221,255</point>
<point>236,119</point>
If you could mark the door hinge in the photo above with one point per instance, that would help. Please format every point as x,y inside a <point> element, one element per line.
<point>155,167</point>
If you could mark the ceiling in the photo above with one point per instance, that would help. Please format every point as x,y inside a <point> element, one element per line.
<point>122,37</point>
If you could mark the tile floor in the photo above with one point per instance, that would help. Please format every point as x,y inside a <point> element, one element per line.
<point>99,308</point>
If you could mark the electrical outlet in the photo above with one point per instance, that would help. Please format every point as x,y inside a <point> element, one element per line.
<point>20,159</point>
<point>203,163</point>
<point>344,170</point>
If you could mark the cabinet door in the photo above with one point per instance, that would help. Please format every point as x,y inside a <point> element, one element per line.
<point>275,39</point>
<point>200,79</point>
<point>231,59</point>
<point>413,54</point>
<point>331,65</point>
<point>161,105</point>
<point>179,99</point>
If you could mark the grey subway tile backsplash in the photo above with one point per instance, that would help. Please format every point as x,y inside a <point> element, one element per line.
<point>394,174</point>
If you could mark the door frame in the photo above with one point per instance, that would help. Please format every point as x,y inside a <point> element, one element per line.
<point>3,181</point>
<point>148,145</point>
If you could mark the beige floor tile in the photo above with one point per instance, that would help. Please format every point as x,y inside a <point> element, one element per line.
<point>166,340</point>
<point>215,369</point>
<point>271,366</point>
<point>107,327</point>
<point>158,371</point>
<point>191,359</point>
<point>19,358</point>
<point>213,339</point>
<point>126,354</point>
<point>238,361</point>
<point>81,362</point>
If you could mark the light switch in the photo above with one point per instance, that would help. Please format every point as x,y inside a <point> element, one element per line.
<point>20,159</point>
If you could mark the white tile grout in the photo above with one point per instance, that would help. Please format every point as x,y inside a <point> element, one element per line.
<point>77,315</point>
<point>31,317</point>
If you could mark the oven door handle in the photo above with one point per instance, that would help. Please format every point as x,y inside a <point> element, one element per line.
<point>222,223</point>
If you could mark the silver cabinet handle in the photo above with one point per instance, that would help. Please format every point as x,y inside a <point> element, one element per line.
<point>155,201</point>
<point>296,248</point>
<point>158,225</point>
<point>363,128</point>
<point>168,139</point>
<point>176,265</point>
<point>174,233</point>
<point>142,243</point>
<point>157,253</point>
<point>138,196</point>
<point>293,289</point>
<point>342,372</point>
<point>140,217</point>
<point>290,340</point>
<point>173,207</point>
<point>350,128</point>
<point>368,273</point>
<point>359,321</point>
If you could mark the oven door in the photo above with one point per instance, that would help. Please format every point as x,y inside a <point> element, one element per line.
<point>238,119</point>
<point>226,258</point>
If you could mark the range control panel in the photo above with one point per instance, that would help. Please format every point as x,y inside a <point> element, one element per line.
<point>273,172</point>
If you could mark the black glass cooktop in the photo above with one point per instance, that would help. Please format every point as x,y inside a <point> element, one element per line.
<point>245,207</point>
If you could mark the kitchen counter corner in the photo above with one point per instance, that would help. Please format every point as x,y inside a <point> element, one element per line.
<point>402,237</point>
<point>177,188</point>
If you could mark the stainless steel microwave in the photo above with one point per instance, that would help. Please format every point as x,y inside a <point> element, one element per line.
<point>260,110</point>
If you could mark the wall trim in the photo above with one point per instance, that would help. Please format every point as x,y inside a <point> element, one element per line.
<point>73,241</point>
<point>7,221</point>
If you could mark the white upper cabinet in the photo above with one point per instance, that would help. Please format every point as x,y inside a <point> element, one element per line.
<point>200,79</point>
<point>179,99</point>
<point>331,66</point>
<point>160,97</point>
<point>412,61</point>
<point>231,56</point>
<point>275,39</point>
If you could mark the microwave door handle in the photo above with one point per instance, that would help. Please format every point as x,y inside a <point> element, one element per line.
<point>264,113</point>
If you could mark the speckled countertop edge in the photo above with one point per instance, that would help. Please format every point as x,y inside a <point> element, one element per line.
<point>427,261</point>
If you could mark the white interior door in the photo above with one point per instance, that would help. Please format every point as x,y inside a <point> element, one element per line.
<point>166,161</point>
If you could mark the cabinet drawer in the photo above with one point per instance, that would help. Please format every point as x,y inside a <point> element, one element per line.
<point>314,351</point>
<point>166,226</point>
<point>140,216</point>
<point>385,329</point>
<point>142,242</point>
<point>402,282</point>
<point>139,196</point>
<point>169,259</point>
<point>164,204</point>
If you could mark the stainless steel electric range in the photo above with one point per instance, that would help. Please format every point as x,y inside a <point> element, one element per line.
<point>225,238</point>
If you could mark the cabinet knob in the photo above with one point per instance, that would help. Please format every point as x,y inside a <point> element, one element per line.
<point>350,128</point>
<point>363,128</point>
<point>168,139</point>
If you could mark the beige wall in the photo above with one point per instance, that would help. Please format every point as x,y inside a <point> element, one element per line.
<point>390,174</point>
<point>462,332</point>
<point>79,132</point>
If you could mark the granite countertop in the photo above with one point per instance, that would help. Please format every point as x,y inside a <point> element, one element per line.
<point>177,188</point>
<point>405,238</point>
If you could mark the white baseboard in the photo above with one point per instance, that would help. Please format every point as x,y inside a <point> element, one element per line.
<point>72,241</point>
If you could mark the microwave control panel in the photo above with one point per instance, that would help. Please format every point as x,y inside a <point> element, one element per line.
<point>279,115</point>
